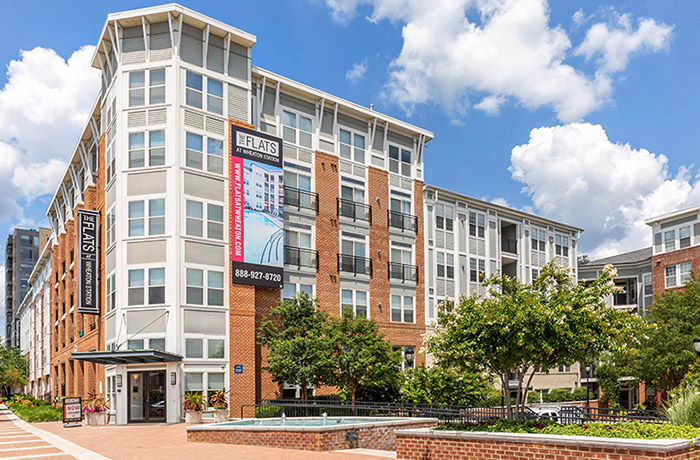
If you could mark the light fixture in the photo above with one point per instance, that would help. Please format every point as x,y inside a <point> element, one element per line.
<point>409,355</point>
<point>119,380</point>
<point>173,378</point>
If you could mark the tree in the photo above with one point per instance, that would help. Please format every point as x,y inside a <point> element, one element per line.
<point>521,328</point>
<point>663,355</point>
<point>358,355</point>
<point>14,369</point>
<point>293,335</point>
<point>441,384</point>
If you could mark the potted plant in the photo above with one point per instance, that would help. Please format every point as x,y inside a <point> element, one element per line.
<point>96,411</point>
<point>194,404</point>
<point>218,400</point>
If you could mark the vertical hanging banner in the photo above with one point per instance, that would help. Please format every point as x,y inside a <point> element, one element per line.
<point>257,205</point>
<point>88,271</point>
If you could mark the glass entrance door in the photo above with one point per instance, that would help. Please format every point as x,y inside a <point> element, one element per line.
<point>147,396</point>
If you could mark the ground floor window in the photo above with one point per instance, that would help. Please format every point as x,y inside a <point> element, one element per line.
<point>204,382</point>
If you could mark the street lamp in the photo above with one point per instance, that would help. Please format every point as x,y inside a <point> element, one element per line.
<point>588,378</point>
<point>696,346</point>
<point>409,355</point>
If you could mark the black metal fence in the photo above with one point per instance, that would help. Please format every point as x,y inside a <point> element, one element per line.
<point>444,413</point>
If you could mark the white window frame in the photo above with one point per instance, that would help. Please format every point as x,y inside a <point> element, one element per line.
<point>352,146</point>
<point>205,221</point>
<point>399,164</point>
<point>354,301</point>
<point>296,130</point>
<point>477,266</point>
<point>148,88</point>
<point>110,292</point>
<point>210,160</point>
<point>681,274</point>
<point>477,225</point>
<point>206,286</point>
<point>446,257</point>
<point>145,286</point>
<point>211,96</point>
<point>147,150</point>
<point>561,244</point>
<point>194,90</point>
<point>688,237</point>
<point>402,309</point>
<point>539,236</point>
<point>297,289</point>
<point>110,226</point>
<point>669,240</point>
<point>147,218</point>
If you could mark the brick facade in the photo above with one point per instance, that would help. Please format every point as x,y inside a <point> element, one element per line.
<point>493,446</point>
<point>659,262</point>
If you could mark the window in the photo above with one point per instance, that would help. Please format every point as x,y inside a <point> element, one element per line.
<point>476,225</point>
<point>535,274</point>
<point>110,292</point>
<point>156,217</point>
<point>297,238</point>
<point>111,154</point>
<point>137,88</point>
<point>291,289</point>
<point>445,265</point>
<point>561,245</point>
<point>156,149</point>
<point>670,240</point>
<point>401,309</point>
<point>538,240</point>
<point>684,237</point>
<point>156,344</point>
<point>352,146</point>
<point>194,148</point>
<point>156,83</point>
<point>195,219</point>
<point>215,381</point>
<point>677,275</point>
<point>563,368</point>
<point>110,220</point>
<point>215,96</point>
<point>297,180</point>
<point>135,344</point>
<point>193,382</point>
<point>444,217</point>
<point>194,348</point>
<point>156,286</point>
<point>194,152</point>
<point>193,89</point>
<point>215,155</point>
<point>647,284</point>
<point>215,350</point>
<point>352,193</point>
<point>353,301</point>
<point>195,289</point>
<point>477,270</point>
<point>399,161</point>
<point>136,286</point>
<point>296,129</point>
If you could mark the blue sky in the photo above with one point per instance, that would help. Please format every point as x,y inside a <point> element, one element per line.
<point>585,112</point>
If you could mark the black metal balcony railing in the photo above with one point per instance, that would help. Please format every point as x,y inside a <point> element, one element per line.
<point>403,272</point>
<point>301,257</point>
<point>509,245</point>
<point>300,199</point>
<point>354,264</point>
<point>354,210</point>
<point>402,220</point>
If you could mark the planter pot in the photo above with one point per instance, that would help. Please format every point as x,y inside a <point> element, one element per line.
<point>193,417</point>
<point>96,418</point>
<point>221,415</point>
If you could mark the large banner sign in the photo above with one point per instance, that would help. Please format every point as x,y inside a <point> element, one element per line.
<point>88,270</point>
<point>257,202</point>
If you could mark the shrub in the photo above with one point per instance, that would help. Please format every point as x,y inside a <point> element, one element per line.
<point>268,411</point>
<point>41,413</point>
<point>684,407</point>
<point>218,399</point>
<point>194,401</point>
<point>96,403</point>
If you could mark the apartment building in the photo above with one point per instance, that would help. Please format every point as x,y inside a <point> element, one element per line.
<point>21,253</point>
<point>34,316</point>
<point>468,239</point>
<point>344,208</point>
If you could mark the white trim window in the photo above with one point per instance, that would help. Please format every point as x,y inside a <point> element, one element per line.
<point>351,145</point>
<point>137,288</point>
<point>354,301</point>
<point>156,217</point>
<point>215,96</point>
<point>194,382</point>
<point>677,275</point>
<point>684,237</point>
<point>198,213</point>
<point>561,245</point>
<point>296,128</point>
<point>156,86</point>
<point>156,149</point>
<point>402,309</point>
<point>669,240</point>
<point>354,192</point>
<point>195,153</point>
<point>110,224</point>
<point>194,92</point>
<point>194,88</point>
<point>196,293</point>
<point>477,270</point>
<point>445,265</point>
<point>444,217</point>
<point>538,240</point>
<point>291,289</point>
<point>137,87</point>
<point>111,163</point>
<point>399,160</point>
<point>110,292</point>
<point>477,225</point>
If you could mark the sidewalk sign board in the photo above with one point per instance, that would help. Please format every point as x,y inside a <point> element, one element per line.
<point>72,412</point>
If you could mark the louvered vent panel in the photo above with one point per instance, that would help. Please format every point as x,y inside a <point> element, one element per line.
<point>237,103</point>
<point>289,151</point>
<point>157,117</point>
<point>345,167</point>
<point>134,119</point>
<point>305,156</point>
<point>216,126</point>
<point>194,120</point>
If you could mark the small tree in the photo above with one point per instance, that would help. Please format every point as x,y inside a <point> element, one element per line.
<point>521,328</point>
<point>445,385</point>
<point>358,355</point>
<point>14,369</point>
<point>293,335</point>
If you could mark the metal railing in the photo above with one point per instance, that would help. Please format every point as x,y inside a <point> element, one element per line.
<point>509,245</point>
<point>583,414</point>
<point>354,210</point>
<point>300,199</point>
<point>301,257</point>
<point>354,264</point>
<point>403,272</point>
<point>403,221</point>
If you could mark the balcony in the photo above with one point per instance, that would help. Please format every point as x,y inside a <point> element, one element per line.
<point>300,199</point>
<point>354,210</point>
<point>354,264</point>
<point>509,245</point>
<point>301,257</point>
<point>402,221</point>
<point>403,272</point>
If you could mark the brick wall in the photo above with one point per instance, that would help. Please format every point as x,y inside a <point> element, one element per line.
<point>327,237</point>
<point>473,447</point>
<point>659,263</point>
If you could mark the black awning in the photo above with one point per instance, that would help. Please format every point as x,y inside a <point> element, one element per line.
<point>126,357</point>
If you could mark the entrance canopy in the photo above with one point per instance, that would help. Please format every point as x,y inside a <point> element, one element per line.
<point>127,357</point>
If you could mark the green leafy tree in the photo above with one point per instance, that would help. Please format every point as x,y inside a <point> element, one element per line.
<point>664,354</point>
<point>293,335</point>
<point>14,369</point>
<point>521,327</point>
<point>445,385</point>
<point>608,374</point>
<point>358,355</point>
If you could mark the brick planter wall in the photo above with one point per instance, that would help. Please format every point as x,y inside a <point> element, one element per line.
<point>379,435</point>
<point>417,444</point>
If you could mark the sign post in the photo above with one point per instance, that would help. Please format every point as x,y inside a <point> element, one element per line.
<point>257,202</point>
<point>72,412</point>
<point>88,295</point>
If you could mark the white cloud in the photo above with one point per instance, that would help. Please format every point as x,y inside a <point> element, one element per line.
<point>491,105</point>
<point>613,44</point>
<point>575,174</point>
<point>454,49</point>
<point>579,17</point>
<point>356,72</point>
<point>500,201</point>
<point>43,106</point>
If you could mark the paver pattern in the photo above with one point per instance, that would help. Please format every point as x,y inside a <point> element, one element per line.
<point>16,443</point>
